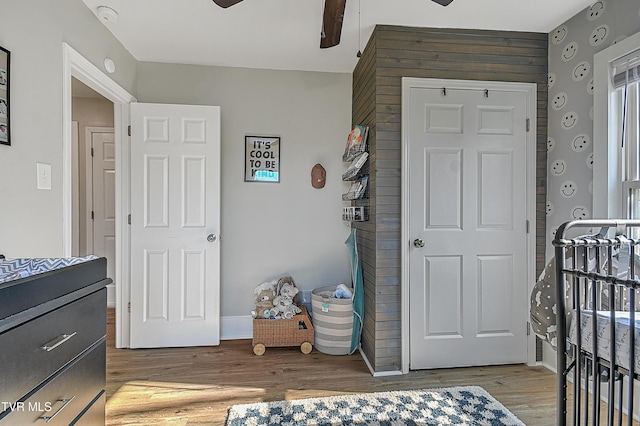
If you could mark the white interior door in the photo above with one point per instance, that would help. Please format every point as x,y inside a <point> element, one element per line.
<point>102,217</point>
<point>175,225</point>
<point>467,225</point>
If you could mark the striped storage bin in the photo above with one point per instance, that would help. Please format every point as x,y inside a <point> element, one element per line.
<point>332,320</point>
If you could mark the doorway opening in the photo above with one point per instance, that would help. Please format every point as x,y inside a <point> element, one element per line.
<point>93,178</point>
<point>77,66</point>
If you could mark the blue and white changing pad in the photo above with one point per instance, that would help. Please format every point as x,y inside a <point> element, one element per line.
<point>13,269</point>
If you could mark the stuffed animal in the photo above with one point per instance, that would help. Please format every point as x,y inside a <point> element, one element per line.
<point>288,290</point>
<point>265,296</point>
<point>262,311</point>
<point>276,299</point>
<point>265,293</point>
<point>264,304</point>
<point>281,282</point>
<point>283,307</point>
<point>269,285</point>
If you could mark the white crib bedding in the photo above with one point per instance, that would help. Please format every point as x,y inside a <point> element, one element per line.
<point>623,334</point>
<point>13,269</point>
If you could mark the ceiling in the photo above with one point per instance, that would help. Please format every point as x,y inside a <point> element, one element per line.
<point>285,34</point>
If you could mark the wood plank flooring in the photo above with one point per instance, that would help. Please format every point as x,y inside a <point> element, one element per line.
<point>196,386</point>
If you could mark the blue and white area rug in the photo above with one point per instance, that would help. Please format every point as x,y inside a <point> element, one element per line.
<point>468,405</point>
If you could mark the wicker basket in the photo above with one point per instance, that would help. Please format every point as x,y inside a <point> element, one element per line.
<point>297,331</point>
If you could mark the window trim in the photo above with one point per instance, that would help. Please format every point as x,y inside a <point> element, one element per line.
<point>607,159</point>
<point>627,186</point>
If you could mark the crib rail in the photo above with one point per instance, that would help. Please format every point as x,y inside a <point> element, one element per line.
<point>587,282</point>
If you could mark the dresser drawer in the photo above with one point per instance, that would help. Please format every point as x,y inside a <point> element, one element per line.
<point>95,415</point>
<point>37,349</point>
<point>62,399</point>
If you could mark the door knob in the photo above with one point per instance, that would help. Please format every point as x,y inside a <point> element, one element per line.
<point>418,243</point>
<point>211,238</point>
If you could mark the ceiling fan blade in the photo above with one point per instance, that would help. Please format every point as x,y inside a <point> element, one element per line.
<point>226,3</point>
<point>443,2</point>
<point>332,23</point>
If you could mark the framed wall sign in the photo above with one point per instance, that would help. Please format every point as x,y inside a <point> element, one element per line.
<point>261,159</point>
<point>5,134</point>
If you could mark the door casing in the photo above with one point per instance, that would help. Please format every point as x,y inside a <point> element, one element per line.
<point>77,66</point>
<point>530,89</point>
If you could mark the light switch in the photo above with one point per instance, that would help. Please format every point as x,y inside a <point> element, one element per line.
<point>44,175</point>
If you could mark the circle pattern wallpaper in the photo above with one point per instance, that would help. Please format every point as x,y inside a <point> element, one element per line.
<point>570,82</point>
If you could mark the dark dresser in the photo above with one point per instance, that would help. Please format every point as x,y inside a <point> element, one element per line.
<point>53,349</point>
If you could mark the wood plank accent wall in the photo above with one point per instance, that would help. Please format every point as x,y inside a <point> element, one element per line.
<point>364,112</point>
<point>396,52</point>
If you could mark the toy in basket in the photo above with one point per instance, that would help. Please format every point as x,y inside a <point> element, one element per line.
<point>278,321</point>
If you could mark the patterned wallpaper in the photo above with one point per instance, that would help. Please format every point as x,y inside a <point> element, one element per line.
<point>570,143</point>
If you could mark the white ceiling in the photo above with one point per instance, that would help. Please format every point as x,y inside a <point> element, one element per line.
<point>285,34</point>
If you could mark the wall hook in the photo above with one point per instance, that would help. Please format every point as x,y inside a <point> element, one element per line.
<point>318,176</point>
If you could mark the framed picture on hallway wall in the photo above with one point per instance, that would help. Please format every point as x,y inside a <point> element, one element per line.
<point>5,131</point>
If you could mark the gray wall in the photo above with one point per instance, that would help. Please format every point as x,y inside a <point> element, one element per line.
<point>268,229</point>
<point>271,230</point>
<point>570,147</point>
<point>33,30</point>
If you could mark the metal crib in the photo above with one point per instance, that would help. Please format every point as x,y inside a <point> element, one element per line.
<point>588,281</point>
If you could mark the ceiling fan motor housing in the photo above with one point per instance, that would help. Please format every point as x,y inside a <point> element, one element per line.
<point>443,2</point>
<point>332,19</point>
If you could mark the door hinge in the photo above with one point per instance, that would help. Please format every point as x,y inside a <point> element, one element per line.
<point>92,152</point>
<point>129,219</point>
<point>92,215</point>
<point>129,130</point>
<point>527,225</point>
<point>528,328</point>
<point>528,124</point>
<point>129,307</point>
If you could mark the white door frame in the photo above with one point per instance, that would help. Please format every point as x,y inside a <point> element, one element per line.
<point>530,89</point>
<point>75,190</point>
<point>77,66</point>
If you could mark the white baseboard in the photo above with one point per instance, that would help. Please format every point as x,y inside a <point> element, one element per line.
<point>238,327</point>
<point>231,328</point>
<point>377,373</point>
<point>111,296</point>
<point>551,368</point>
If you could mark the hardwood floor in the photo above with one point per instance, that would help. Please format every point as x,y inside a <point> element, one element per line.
<point>196,386</point>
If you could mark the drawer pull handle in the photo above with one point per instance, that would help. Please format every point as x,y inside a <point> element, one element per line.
<point>58,341</point>
<point>65,402</point>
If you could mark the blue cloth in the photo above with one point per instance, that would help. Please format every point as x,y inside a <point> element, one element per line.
<point>358,291</point>
<point>342,292</point>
